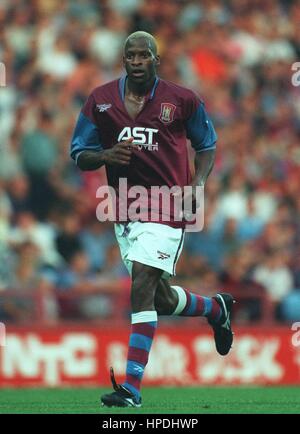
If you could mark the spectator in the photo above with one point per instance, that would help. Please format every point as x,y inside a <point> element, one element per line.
<point>290,307</point>
<point>27,289</point>
<point>96,239</point>
<point>68,239</point>
<point>42,235</point>
<point>274,275</point>
<point>86,301</point>
<point>252,225</point>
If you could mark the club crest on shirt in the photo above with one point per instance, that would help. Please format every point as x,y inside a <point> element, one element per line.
<point>167,112</point>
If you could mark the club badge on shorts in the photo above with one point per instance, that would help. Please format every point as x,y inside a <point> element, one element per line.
<point>167,112</point>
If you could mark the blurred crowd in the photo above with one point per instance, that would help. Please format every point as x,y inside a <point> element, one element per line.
<point>238,55</point>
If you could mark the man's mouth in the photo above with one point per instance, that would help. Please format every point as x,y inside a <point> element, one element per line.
<point>138,73</point>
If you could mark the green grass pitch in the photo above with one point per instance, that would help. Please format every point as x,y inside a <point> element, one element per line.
<point>168,400</point>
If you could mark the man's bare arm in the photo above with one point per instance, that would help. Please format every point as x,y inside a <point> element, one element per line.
<point>91,160</point>
<point>120,154</point>
<point>204,163</point>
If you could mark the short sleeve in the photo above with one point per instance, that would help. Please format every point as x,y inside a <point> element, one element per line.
<point>200,129</point>
<point>86,136</point>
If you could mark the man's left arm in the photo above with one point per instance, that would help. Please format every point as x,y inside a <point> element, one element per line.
<point>204,163</point>
<point>203,137</point>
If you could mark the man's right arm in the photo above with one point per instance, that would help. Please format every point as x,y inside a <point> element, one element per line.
<point>90,160</point>
<point>120,155</point>
<point>86,145</point>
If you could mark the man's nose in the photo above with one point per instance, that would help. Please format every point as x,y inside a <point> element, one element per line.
<point>136,60</point>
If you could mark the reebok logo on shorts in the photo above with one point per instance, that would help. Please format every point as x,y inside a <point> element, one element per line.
<point>162,255</point>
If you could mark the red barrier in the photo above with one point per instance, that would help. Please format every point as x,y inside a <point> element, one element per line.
<point>184,356</point>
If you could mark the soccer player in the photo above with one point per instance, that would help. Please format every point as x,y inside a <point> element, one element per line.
<point>137,127</point>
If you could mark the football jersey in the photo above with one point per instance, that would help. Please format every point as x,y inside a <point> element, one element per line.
<point>171,115</point>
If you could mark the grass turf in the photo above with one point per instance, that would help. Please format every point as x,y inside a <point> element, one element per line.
<point>185,400</point>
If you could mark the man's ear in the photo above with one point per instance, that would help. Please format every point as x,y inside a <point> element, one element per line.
<point>123,59</point>
<point>157,60</point>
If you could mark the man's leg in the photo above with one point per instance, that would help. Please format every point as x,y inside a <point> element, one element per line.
<point>144,321</point>
<point>174,300</point>
<point>145,280</point>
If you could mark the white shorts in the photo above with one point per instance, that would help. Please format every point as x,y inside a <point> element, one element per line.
<point>151,244</point>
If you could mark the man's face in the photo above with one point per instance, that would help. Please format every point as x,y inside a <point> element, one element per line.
<point>139,61</point>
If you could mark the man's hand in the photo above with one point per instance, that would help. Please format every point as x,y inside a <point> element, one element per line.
<point>120,154</point>
<point>192,198</point>
<point>190,201</point>
<point>189,195</point>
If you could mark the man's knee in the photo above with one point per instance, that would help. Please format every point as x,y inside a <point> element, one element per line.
<point>166,298</point>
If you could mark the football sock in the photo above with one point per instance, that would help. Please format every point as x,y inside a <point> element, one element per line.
<point>143,326</point>
<point>190,304</point>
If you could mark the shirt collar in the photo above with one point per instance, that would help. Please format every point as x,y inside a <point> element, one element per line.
<point>122,83</point>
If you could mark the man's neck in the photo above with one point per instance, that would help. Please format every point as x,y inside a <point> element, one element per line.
<point>139,89</point>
